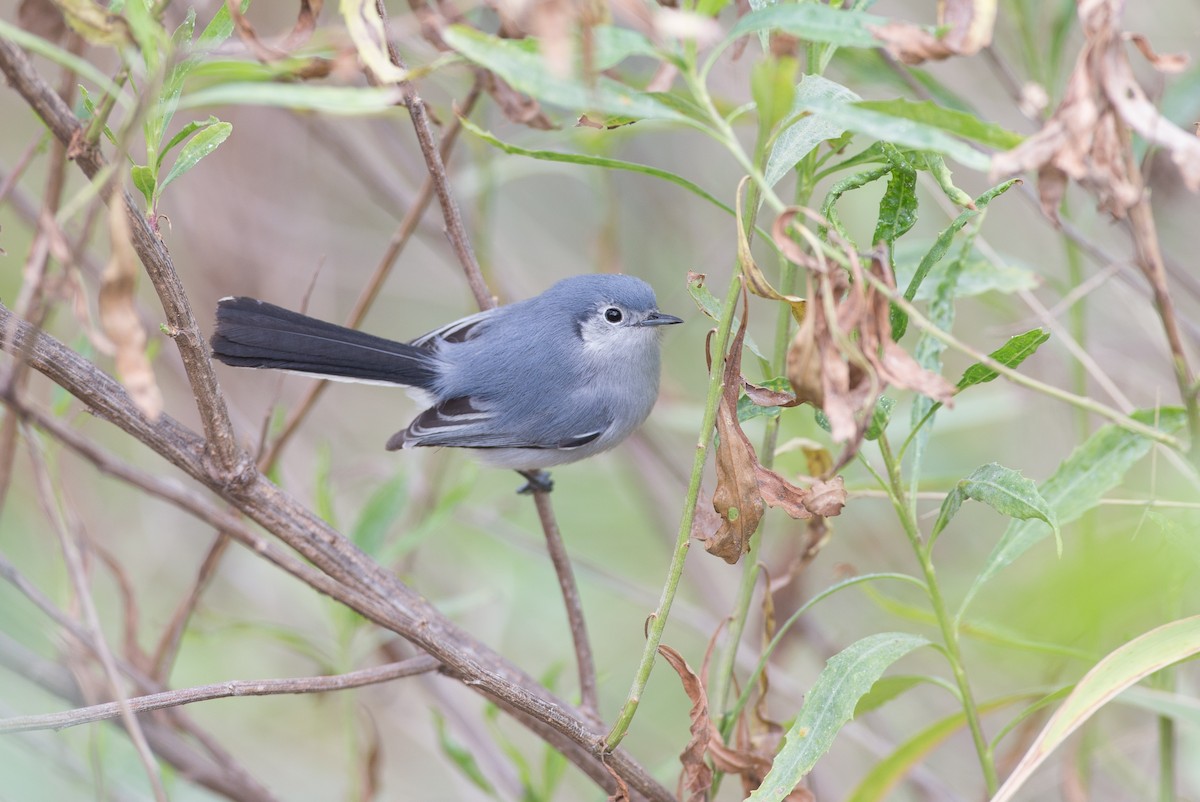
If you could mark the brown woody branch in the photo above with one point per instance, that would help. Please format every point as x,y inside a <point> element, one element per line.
<point>375,593</point>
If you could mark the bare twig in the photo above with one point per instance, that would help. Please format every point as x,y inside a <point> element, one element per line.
<point>59,520</point>
<point>222,690</point>
<point>585,663</point>
<point>455,230</point>
<point>370,292</point>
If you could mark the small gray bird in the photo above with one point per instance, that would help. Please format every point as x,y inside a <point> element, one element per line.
<point>543,382</point>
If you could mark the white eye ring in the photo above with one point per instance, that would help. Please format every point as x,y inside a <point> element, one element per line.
<point>613,315</point>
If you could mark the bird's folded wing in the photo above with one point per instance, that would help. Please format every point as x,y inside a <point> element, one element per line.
<point>463,423</point>
<point>456,332</point>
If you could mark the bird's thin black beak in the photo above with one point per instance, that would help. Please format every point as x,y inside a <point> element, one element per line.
<point>660,319</point>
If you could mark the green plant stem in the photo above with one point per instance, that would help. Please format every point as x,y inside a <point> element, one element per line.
<point>895,486</point>
<point>683,539</point>
<point>96,127</point>
<point>1116,416</point>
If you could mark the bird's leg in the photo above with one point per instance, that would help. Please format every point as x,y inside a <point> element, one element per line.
<point>536,482</point>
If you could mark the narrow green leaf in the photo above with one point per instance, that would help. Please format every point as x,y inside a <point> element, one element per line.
<point>594,161</point>
<point>1182,707</point>
<point>461,757</point>
<point>143,179</point>
<point>881,416</point>
<point>889,688</point>
<point>220,27</point>
<point>898,205</point>
<point>1005,491</point>
<point>940,246</point>
<point>611,45</point>
<point>707,303</point>
<point>1121,669</point>
<point>799,138</point>
<point>184,133</point>
<point>51,51</point>
<point>382,509</point>
<point>1018,348</point>
<point>328,99</point>
<point>887,773</point>
<point>199,146</point>
<point>1097,466</point>
<point>830,703</point>
<point>958,123</point>
<point>898,130</point>
<point>936,166</point>
<point>976,273</point>
<point>526,71</point>
<point>160,117</point>
<point>811,21</point>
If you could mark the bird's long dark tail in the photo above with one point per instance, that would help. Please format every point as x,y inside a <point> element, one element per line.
<point>256,334</point>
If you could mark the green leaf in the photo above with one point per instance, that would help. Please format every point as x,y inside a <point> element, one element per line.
<point>220,27</point>
<point>39,46</point>
<point>898,206</point>
<point>940,246</point>
<point>976,273</point>
<point>897,130</point>
<point>967,126</point>
<point>1097,466</point>
<point>830,703</point>
<point>889,688</point>
<point>773,85</point>
<point>811,21</point>
<point>158,120</point>
<point>594,161</point>
<point>328,99</point>
<point>1121,669</point>
<point>887,773</point>
<point>1018,348</point>
<point>460,756</point>
<point>1005,491</point>
<point>199,146</point>
<point>527,72</point>
<point>382,509</point>
<point>707,303</point>
<point>184,133</point>
<point>881,416</point>
<point>799,138</point>
<point>936,166</point>
<point>149,33</point>
<point>143,179</point>
<point>612,45</point>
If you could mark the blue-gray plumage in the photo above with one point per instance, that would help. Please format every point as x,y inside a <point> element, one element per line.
<point>542,382</point>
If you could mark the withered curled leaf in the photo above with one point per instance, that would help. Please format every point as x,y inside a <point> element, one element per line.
<point>697,775</point>
<point>965,27</point>
<point>119,318</point>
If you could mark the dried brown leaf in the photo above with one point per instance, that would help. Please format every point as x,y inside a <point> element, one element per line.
<point>697,775</point>
<point>736,498</point>
<point>826,499</point>
<point>967,25</point>
<point>1163,62</point>
<point>756,282</point>
<point>1085,138</point>
<point>782,494</point>
<point>119,318</point>
<point>766,397</point>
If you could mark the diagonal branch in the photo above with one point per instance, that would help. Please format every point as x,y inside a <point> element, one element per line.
<point>378,595</point>
<point>220,445</point>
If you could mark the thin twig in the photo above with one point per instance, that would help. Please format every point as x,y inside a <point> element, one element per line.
<point>68,540</point>
<point>455,230</point>
<point>370,291</point>
<point>221,690</point>
<point>586,663</point>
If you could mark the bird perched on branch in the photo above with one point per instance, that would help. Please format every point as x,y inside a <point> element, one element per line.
<point>535,384</point>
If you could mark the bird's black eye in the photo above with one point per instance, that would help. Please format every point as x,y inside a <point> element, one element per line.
<point>613,315</point>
